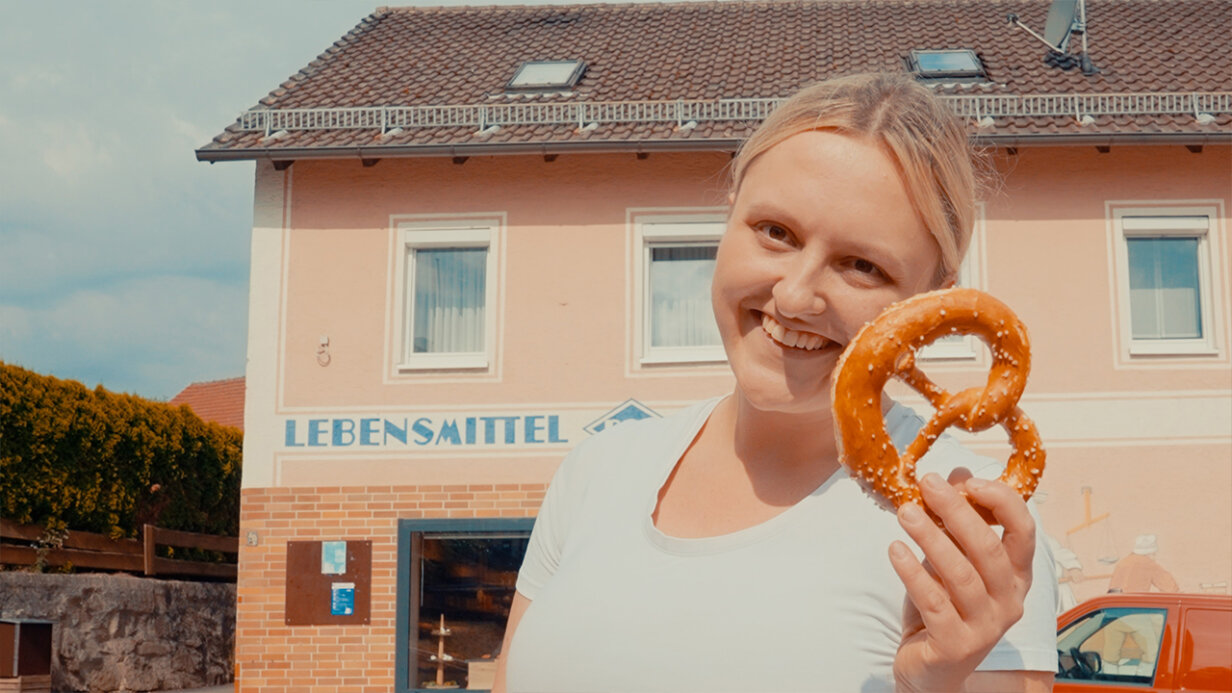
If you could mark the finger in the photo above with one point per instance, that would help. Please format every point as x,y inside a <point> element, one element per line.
<point>959,476</point>
<point>1011,512</point>
<point>961,581</point>
<point>978,543</point>
<point>931,601</point>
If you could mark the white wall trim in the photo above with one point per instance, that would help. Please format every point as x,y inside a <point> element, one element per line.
<point>264,374</point>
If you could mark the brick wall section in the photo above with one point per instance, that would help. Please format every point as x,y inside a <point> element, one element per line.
<point>272,657</point>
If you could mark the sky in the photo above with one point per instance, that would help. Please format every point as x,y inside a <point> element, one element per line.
<point>124,260</point>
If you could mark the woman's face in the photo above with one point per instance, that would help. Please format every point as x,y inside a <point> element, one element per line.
<point>822,237</point>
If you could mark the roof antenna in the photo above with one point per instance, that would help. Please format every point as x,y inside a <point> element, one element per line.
<point>1065,18</point>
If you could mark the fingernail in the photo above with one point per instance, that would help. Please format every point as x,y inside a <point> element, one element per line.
<point>975,483</point>
<point>933,481</point>
<point>898,549</point>
<point>912,513</point>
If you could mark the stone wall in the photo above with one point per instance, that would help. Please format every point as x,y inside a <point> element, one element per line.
<point>124,633</point>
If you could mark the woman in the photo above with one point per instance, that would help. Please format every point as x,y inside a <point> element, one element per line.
<point>724,548</point>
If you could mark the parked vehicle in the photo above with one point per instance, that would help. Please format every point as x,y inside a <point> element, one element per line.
<point>1146,642</point>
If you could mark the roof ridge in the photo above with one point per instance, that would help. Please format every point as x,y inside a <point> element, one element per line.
<point>415,9</point>
<point>215,382</point>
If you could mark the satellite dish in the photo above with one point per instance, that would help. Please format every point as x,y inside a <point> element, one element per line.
<point>1061,16</point>
<point>1065,17</point>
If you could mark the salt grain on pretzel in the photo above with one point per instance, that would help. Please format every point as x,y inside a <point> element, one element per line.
<point>886,348</point>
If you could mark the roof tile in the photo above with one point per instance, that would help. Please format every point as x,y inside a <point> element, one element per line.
<point>219,401</point>
<point>442,56</point>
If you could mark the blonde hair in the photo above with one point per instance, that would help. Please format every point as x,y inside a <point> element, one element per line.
<point>923,136</point>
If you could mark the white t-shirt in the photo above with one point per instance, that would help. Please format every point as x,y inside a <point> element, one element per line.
<point>806,601</point>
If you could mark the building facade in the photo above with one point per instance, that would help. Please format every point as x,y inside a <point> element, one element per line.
<point>441,309</point>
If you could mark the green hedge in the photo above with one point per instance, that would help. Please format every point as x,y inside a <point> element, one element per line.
<point>104,462</point>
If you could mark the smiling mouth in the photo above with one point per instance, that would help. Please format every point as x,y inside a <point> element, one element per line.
<point>806,341</point>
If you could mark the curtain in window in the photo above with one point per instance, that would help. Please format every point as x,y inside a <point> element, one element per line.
<point>680,313</point>
<point>449,297</point>
<point>1164,297</point>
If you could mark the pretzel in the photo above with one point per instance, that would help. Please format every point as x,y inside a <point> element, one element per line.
<point>886,348</point>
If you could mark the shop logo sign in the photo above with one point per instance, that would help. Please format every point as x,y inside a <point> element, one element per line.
<point>629,410</point>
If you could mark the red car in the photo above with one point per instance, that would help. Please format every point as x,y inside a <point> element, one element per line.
<point>1146,642</point>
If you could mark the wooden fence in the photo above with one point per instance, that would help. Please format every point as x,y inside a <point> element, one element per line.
<point>96,551</point>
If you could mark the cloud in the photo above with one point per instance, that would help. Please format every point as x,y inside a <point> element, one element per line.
<point>123,260</point>
<point>149,335</point>
<point>73,153</point>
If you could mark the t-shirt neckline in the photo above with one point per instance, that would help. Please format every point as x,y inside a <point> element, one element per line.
<point>719,543</point>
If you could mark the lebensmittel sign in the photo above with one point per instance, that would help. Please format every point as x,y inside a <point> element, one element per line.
<point>434,432</point>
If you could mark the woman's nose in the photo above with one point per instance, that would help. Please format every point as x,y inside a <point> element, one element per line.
<point>799,292</point>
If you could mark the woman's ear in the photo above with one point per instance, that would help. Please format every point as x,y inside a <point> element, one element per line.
<point>731,198</point>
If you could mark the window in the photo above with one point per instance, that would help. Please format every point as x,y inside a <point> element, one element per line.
<point>1117,644</point>
<point>547,74</point>
<point>946,63</point>
<point>1164,268</point>
<point>456,580</point>
<point>448,275</point>
<point>674,270</point>
<point>963,347</point>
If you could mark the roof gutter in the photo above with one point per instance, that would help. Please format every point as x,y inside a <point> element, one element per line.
<point>1152,138</point>
<point>412,150</point>
<point>646,146</point>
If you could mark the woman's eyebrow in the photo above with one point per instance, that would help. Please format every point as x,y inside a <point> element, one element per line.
<point>768,211</point>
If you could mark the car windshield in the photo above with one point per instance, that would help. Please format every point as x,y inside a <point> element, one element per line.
<point>1118,645</point>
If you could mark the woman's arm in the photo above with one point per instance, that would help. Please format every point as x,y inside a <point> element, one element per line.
<point>969,590</point>
<point>520,603</point>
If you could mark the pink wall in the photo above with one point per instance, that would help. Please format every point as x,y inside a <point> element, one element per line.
<point>565,289</point>
<point>1150,437</point>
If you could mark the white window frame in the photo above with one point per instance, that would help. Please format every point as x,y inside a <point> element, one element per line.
<point>449,233</point>
<point>658,230</point>
<point>971,276</point>
<point>1128,220</point>
<point>562,79</point>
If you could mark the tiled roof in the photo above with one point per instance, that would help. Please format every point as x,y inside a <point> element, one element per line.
<point>219,401</point>
<point>710,51</point>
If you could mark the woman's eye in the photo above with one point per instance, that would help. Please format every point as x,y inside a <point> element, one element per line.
<point>774,232</point>
<point>865,267</point>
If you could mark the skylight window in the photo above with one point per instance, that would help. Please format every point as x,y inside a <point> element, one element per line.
<point>946,63</point>
<point>547,74</point>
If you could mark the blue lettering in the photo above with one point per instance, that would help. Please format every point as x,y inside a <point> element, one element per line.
<point>532,429</point>
<point>554,430</point>
<point>316,429</point>
<point>344,432</point>
<point>470,430</point>
<point>511,428</point>
<point>368,431</point>
<point>489,429</point>
<point>398,433</point>
<point>449,433</point>
<point>291,442</point>
<point>421,428</point>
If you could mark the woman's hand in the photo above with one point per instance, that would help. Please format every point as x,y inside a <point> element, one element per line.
<point>970,589</point>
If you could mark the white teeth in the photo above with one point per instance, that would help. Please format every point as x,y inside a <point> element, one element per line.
<point>791,338</point>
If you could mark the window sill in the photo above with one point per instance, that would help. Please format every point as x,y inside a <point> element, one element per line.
<point>444,362</point>
<point>959,353</point>
<point>684,357</point>
<point>1171,347</point>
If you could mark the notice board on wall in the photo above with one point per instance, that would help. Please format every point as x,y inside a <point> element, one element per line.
<point>328,583</point>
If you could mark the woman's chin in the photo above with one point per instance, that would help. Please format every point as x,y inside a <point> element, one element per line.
<point>780,398</point>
